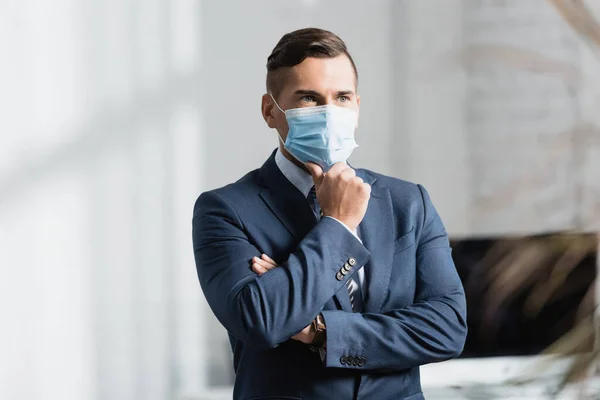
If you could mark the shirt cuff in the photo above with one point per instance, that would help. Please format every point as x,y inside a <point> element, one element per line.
<point>353,232</point>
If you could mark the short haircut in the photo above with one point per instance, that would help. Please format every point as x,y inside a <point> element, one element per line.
<point>295,47</point>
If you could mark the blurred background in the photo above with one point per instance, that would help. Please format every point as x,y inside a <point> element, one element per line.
<point>117,114</point>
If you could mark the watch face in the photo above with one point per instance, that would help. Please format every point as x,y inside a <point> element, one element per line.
<point>314,326</point>
<point>320,323</point>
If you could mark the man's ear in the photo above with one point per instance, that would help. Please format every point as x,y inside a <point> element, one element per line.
<point>267,109</point>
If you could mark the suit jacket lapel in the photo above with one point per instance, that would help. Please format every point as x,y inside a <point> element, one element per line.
<point>377,234</point>
<point>285,200</point>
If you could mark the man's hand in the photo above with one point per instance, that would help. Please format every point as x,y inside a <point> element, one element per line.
<point>266,263</point>
<point>262,264</point>
<point>341,194</point>
<point>306,335</point>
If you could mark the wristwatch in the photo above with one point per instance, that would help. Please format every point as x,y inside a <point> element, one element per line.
<point>318,326</point>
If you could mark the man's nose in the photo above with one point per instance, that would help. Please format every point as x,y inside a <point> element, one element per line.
<point>329,100</point>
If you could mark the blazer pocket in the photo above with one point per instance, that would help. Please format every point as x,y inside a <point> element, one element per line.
<point>404,241</point>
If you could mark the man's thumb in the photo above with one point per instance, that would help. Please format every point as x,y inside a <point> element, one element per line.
<point>316,171</point>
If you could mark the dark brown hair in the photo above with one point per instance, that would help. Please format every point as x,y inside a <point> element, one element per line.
<point>295,47</point>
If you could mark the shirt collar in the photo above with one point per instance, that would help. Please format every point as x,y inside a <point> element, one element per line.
<point>297,176</point>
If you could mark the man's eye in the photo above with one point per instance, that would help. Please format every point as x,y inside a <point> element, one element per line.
<point>308,99</point>
<point>344,99</point>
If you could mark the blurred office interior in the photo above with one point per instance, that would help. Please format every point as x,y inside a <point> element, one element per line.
<point>117,114</point>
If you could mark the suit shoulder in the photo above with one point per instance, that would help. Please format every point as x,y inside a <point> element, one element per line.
<point>408,196</point>
<point>231,193</point>
<point>394,185</point>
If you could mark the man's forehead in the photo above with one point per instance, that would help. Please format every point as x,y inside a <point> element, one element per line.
<point>331,74</point>
<point>324,67</point>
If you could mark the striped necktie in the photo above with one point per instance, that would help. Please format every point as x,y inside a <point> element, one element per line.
<point>356,299</point>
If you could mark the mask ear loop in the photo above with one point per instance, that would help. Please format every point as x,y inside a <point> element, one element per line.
<point>277,105</point>
<point>274,101</point>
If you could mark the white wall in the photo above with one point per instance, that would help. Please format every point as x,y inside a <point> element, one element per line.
<point>101,163</point>
<point>589,138</point>
<point>520,117</point>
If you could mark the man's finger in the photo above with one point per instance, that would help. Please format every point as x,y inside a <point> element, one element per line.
<point>316,171</point>
<point>258,269</point>
<point>338,168</point>
<point>264,264</point>
<point>268,259</point>
<point>348,174</point>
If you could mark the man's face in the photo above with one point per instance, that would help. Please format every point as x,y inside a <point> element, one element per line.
<point>313,82</point>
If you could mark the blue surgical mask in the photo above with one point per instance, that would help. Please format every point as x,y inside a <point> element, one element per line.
<point>323,135</point>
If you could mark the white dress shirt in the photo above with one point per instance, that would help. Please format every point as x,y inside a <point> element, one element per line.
<point>303,181</point>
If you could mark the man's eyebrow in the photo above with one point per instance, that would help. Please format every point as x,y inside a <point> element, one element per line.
<point>306,92</point>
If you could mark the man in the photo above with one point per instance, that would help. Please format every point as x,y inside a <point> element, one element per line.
<point>333,282</point>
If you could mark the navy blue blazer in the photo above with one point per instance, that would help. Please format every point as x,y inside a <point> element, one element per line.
<point>414,310</point>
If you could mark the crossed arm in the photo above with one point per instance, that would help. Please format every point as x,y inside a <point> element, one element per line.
<point>266,309</point>
<point>261,265</point>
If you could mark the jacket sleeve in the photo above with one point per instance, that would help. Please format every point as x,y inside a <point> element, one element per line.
<point>266,310</point>
<point>432,329</point>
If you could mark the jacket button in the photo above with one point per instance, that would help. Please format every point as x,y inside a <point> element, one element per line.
<point>350,360</point>
<point>346,267</point>
<point>339,276</point>
<point>352,261</point>
<point>362,361</point>
<point>343,360</point>
<point>343,271</point>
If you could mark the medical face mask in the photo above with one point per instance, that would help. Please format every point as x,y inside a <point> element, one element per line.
<point>323,134</point>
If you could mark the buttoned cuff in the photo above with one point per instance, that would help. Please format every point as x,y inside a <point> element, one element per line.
<point>343,350</point>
